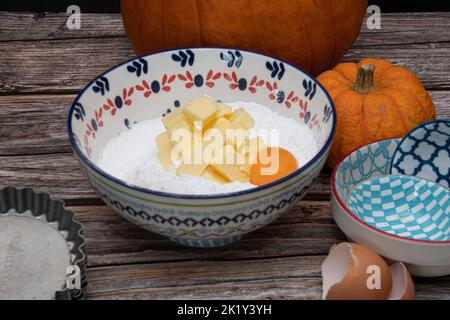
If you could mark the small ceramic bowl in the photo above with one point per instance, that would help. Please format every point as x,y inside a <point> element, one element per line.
<point>149,87</point>
<point>425,152</point>
<point>405,206</point>
<point>423,257</point>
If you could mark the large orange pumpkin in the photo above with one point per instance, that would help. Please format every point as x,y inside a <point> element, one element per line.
<point>312,34</point>
<point>374,100</point>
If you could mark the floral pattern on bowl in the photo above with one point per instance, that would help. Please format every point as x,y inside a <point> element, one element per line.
<point>153,86</point>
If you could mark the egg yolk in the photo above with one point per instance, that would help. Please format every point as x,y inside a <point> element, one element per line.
<point>273,163</point>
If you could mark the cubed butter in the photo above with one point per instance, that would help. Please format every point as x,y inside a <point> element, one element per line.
<point>165,148</point>
<point>236,134</point>
<point>221,124</point>
<point>254,145</point>
<point>213,175</point>
<point>224,110</point>
<point>231,172</point>
<point>245,168</point>
<point>240,115</point>
<point>182,124</point>
<point>173,118</point>
<point>228,168</point>
<point>204,122</point>
<point>201,110</point>
<point>216,134</point>
<point>250,151</point>
<point>195,170</point>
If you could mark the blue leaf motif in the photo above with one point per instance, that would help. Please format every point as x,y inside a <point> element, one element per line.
<point>139,67</point>
<point>185,57</point>
<point>239,59</point>
<point>307,116</point>
<point>310,88</point>
<point>101,85</point>
<point>232,58</point>
<point>277,69</point>
<point>326,113</point>
<point>144,65</point>
<point>79,111</point>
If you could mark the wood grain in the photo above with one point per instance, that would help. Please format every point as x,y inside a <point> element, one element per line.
<point>405,28</point>
<point>307,229</point>
<point>79,56</point>
<point>279,261</point>
<point>43,128</point>
<point>263,278</point>
<point>34,26</point>
<point>34,124</point>
<point>43,65</point>
<point>60,175</point>
<point>429,61</point>
<point>274,278</point>
<point>75,63</point>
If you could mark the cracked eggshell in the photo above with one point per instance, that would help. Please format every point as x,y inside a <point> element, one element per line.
<point>348,274</point>
<point>402,284</point>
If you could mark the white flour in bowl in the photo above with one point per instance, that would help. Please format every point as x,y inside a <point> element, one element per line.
<point>132,156</point>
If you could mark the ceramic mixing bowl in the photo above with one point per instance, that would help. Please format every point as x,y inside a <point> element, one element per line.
<point>149,87</point>
<point>424,257</point>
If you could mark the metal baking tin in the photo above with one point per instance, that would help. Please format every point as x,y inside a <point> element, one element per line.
<point>28,203</point>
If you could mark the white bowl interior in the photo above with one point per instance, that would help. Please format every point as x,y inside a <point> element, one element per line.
<point>153,85</point>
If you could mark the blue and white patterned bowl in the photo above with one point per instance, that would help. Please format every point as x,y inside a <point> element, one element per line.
<point>153,85</point>
<point>405,206</point>
<point>425,152</point>
<point>424,257</point>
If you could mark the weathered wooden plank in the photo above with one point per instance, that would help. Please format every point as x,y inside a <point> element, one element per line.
<point>429,61</point>
<point>265,278</point>
<point>59,175</point>
<point>57,66</point>
<point>269,289</point>
<point>433,288</point>
<point>281,278</point>
<point>35,157</point>
<point>281,260</point>
<point>396,28</point>
<point>76,62</point>
<point>52,26</point>
<point>406,28</point>
<point>307,229</point>
<point>36,124</point>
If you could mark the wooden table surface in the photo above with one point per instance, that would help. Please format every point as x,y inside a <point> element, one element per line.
<point>43,65</point>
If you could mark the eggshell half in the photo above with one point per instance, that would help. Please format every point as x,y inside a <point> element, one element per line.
<point>402,284</point>
<point>354,272</point>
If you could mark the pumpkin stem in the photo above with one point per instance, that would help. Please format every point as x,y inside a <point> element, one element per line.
<point>364,82</point>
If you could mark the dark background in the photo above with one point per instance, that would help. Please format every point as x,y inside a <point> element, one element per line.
<point>114,5</point>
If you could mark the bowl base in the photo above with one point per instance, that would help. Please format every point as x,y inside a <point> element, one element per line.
<point>428,271</point>
<point>205,243</point>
